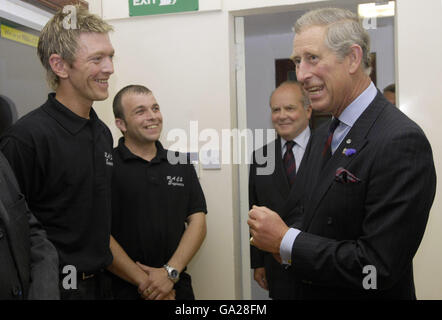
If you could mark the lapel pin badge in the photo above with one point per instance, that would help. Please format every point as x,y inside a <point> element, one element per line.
<point>348,141</point>
<point>349,151</point>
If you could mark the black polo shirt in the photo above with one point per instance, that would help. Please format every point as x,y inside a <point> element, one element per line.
<point>151,201</point>
<point>63,164</point>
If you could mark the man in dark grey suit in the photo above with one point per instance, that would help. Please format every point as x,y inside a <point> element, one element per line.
<point>371,175</point>
<point>290,113</point>
<point>29,262</point>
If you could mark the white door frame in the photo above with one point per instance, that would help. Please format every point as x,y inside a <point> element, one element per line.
<point>241,106</point>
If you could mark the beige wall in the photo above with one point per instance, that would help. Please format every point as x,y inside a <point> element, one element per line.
<point>187,60</point>
<point>419,74</point>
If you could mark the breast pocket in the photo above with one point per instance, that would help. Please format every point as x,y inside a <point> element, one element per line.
<point>347,207</point>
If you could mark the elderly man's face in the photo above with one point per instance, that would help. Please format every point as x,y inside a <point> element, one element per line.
<point>289,117</point>
<point>323,74</point>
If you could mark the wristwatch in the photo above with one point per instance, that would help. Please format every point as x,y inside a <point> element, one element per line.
<point>172,273</point>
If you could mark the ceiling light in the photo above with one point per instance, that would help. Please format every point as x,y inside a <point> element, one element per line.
<point>376,9</point>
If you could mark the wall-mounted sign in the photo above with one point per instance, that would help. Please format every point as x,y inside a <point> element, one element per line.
<point>149,7</point>
<point>18,36</point>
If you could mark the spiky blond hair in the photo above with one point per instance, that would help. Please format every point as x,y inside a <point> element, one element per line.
<point>56,38</point>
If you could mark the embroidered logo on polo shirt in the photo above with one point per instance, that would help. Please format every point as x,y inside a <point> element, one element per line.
<point>175,181</point>
<point>108,158</point>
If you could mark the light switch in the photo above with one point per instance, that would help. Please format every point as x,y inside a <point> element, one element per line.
<point>210,159</point>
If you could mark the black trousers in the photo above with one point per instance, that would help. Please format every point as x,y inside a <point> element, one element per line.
<point>98,287</point>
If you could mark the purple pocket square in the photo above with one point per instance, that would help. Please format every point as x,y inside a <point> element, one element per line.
<point>344,176</point>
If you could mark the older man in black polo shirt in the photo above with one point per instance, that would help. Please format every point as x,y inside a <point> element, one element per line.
<point>153,200</point>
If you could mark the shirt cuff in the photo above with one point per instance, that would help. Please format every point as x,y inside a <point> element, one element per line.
<point>285,249</point>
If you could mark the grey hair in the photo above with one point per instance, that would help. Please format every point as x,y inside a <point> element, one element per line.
<point>343,30</point>
<point>305,99</point>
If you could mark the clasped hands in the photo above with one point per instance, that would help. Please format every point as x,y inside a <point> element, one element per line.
<point>267,230</point>
<point>157,286</point>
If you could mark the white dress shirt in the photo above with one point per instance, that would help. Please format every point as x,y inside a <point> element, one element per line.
<point>298,149</point>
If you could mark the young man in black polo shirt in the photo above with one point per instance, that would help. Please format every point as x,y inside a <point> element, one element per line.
<point>153,201</point>
<point>61,154</point>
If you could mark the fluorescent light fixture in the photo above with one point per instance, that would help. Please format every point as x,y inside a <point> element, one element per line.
<point>376,9</point>
<point>24,13</point>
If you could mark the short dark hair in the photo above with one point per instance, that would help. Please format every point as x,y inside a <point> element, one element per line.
<point>117,104</point>
<point>390,88</point>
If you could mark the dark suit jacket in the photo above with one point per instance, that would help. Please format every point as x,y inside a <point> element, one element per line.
<point>28,261</point>
<point>378,221</point>
<point>273,190</point>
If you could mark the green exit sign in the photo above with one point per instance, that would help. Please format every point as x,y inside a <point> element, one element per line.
<point>148,7</point>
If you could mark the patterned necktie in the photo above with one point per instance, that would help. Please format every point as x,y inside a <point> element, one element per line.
<point>290,162</point>
<point>326,153</point>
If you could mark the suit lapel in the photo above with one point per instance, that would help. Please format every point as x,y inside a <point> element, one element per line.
<point>355,139</point>
<point>8,182</point>
<point>4,216</point>
<point>298,188</point>
<point>280,178</point>
<point>315,162</point>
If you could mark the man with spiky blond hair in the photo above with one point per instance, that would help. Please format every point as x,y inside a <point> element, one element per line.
<point>62,156</point>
